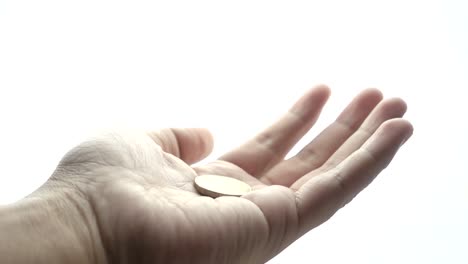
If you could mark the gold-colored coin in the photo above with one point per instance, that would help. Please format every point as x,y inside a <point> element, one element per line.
<point>215,186</point>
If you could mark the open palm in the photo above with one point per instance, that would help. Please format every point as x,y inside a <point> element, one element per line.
<point>147,210</point>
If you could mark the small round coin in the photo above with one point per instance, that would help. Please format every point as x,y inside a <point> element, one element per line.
<point>216,186</point>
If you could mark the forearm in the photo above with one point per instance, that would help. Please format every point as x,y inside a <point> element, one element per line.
<point>47,229</point>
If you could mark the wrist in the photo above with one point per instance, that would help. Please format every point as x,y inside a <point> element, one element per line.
<point>54,225</point>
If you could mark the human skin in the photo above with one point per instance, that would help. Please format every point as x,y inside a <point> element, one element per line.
<point>129,197</point>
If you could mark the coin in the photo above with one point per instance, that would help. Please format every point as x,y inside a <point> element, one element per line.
<point>216,186</point>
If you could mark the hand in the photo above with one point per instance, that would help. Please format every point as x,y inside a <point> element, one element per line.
<point>140,205</point>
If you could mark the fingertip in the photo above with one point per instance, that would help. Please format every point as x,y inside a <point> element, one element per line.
<point>398,105</point>
<point>322,86</point>
<point>409,130</point>
<point>375,93</point>
<point>322,89</point>
<point>393,132</point>
<point>315,97</point>
<point>203,141</point>
<point>189,144</point>
<point>397,126</point>
<point>360,107</point>
<point>207,140</point>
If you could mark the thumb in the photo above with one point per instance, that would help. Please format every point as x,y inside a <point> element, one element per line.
<point>188,144</point>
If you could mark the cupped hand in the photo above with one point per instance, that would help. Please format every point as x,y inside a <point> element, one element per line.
<point>145,208</point>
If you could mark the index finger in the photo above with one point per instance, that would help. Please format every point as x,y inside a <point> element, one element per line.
<point>271,145</point>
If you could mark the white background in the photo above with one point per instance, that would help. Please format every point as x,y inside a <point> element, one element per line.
<point>69,69</point>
